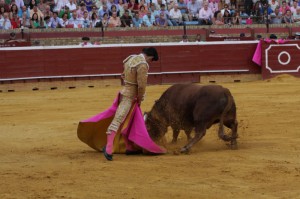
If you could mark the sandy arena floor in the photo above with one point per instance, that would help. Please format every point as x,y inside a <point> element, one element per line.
<point>41,156</point>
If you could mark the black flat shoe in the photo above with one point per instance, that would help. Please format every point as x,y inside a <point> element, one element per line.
<point>127,152</point>
<point>107,156</point>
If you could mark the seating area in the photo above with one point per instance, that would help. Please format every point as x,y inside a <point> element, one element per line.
<point>63,36</point>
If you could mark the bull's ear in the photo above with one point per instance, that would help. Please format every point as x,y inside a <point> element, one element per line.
<point>145,116</point>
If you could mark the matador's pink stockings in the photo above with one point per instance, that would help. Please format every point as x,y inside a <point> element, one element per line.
<point>110,142</point>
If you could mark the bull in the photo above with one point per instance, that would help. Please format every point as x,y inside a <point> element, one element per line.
<point>192,106</point>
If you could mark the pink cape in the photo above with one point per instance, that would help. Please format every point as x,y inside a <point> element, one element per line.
<point>91,130</point>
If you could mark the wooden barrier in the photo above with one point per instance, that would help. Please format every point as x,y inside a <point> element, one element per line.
<point>64,66</point>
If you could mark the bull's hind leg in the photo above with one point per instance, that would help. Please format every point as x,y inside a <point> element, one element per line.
<point>199,133</point>
<point>233,125</point>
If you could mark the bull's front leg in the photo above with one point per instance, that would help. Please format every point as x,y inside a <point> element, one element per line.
<point>198,135</point>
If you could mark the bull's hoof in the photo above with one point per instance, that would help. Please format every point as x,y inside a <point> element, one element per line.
<point>233,146</point>
<point>184,150</point>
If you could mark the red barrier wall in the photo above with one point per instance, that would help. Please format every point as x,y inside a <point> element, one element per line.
<point>187,60</point>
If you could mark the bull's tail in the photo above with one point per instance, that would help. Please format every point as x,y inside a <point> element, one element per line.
<point>227,108</point>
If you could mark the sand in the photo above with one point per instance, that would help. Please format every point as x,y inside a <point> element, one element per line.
<point>41,156</point>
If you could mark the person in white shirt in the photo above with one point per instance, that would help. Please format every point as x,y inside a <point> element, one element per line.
<point>205,15</point>
<point>175,15</point>
<point>297,16</point>
<point>294,7</point>
<point>72,5</point>
<point>76,21</point>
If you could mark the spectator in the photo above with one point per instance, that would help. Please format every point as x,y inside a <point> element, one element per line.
<point>13,10</point>
<point>297,16</point>
<point>213,5</point>
<point>205,15</point>
<point>24,10</point>
<point>288,17</point>
<point>295,7</point>
<point>126,19</point>
<point>182,6</point>
<point>15,21</point>
<point>193,10</point>
<point>81,10</point>
<point>25,20</point>
<point>89,5</point>
<point>166,14</point>
<point>276,16</point>
<point>175,15</point>
<point>218,18</point>
<point>110,3</point>
<point>42,6</point>
<point>60,5</point>
<point>113,9</point>
<point>32,3</point>
<point>284,7</point>
<point>105,20</point>
<point>48,12</point>
<point>103,11</point>
<point>137,21</point>
<point>114,20</point>
<point>45,22</point>
<point>161,21</point>
<point>35,21</point>
<point>133,6</point>
<point>72,5</point>
<point>273,4</point>
<point>37,11</point>
<point>142,11</point>
<point>95,21</point>
<point>63,11</point>
<point>226,7</point>
<point>1,22</point>
<point>64,21</point>
<point>86,22</point>
<point>5,6</point>
<point>227,17</point>
<point>154,11</point>
<point>5,22</point>
<point>122,7</point>
<point>76,21</point>
<point>149,19</point>
<point>236,19</point>
<point>54,21</point>
<point>19,3</point>
<point>94,10</point>
<point>143,3</point>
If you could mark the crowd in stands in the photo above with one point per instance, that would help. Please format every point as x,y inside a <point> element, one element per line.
<point>143,13</point>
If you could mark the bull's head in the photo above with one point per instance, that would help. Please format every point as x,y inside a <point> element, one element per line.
<point>154,126</point>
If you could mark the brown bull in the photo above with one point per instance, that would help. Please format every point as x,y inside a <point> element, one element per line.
<point>188,106</point>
